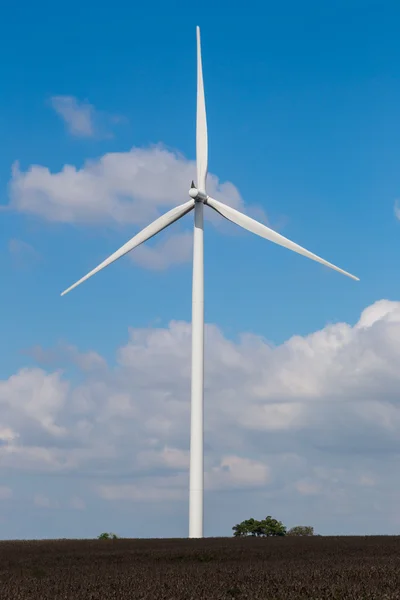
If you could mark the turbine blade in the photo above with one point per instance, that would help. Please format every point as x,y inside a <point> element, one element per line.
<point>269,234</point>
<point>144,235</point>
<point>201,124</point>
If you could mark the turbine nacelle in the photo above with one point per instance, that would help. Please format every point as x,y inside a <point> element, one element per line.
<point>197,195</point>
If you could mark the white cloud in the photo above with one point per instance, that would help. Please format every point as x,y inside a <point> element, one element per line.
<point>160,489</point>
<point>170,458</point>
<point>35,398</point>
<point>81,118</point>
<point>176,249</point>
<point>316,418</point>
<point>234,471</point>
<point>119,188</point>
<point>66,353</point>
<point>124,188</point>
<point>7,434</point>
<point>78,116</point>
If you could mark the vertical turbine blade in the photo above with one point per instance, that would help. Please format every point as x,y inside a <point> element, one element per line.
<point>148,232</point>
<point>201,125</point>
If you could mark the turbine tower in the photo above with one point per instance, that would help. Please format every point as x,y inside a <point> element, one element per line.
<point>198,200</point>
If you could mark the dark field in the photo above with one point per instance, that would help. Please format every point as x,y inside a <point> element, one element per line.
<point>273,568</point>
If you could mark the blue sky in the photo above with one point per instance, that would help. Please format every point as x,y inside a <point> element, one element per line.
<point>302,107</point>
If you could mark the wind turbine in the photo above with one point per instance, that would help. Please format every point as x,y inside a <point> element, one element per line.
<point>200,199</point>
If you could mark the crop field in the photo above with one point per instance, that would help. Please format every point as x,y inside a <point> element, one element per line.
<point>270,568</point>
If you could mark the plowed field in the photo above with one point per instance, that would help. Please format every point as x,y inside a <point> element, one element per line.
<point>273,568</point>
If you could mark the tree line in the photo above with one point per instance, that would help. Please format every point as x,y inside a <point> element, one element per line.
<point>251,527</point>
<point>269,527</point>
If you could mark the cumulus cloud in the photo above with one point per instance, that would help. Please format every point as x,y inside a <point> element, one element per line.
<point>36,397</point>
<point>64,353</point>
<point>120,187</point>
<point>81,118</point>
<point>176,249</point>
<point>125,188</point>
<point>159,490</point>
<point>168,458</point>
<point>236,471</point>
<point>316,417</point>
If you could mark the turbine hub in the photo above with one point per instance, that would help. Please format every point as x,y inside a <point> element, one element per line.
<point>197,195</point>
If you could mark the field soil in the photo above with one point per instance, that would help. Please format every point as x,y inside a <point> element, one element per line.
<point>214,568</point>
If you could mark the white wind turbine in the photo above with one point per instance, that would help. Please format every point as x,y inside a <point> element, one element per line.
<point>199,199</point>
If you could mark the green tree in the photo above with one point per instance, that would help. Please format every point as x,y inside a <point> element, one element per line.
<point>265,528</point>
<point>248,527</point>
<point>271,527</point>
<point>239,530</point>
<point>301,530</point>
<point>107,536</point>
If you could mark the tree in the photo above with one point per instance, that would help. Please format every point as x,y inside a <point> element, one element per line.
<point>247,527</point>
<point>271,527</point>
<point>301,530</point>
<point>107,536</point>
<point>266,528</point>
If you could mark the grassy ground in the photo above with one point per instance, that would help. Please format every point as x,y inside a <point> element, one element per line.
<point>272,568</point>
